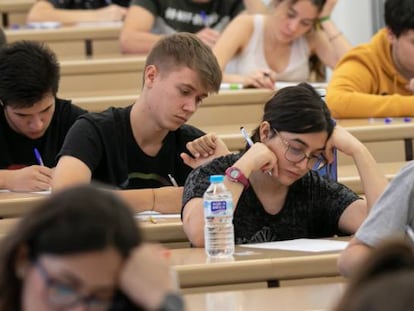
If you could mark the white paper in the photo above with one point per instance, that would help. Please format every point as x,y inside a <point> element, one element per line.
<point>146,215</point>
<point>46,192</point>
<point>305,245</point>
<point>316,85</point>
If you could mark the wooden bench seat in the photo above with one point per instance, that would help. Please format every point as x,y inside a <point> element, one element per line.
<point>348,174</point>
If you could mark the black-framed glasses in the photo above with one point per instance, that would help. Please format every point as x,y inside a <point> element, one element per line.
<point>297,155</point>
<point>62,296</point>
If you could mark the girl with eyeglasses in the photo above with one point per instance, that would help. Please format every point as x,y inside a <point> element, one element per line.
<point>81,250</point>
<point>292,201</point>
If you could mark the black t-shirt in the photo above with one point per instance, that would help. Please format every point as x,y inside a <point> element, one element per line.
<point>312,208</point>
<point>17,150</point>
<point>186,15</point>
<point>86,4</point>
<point>105,143</point>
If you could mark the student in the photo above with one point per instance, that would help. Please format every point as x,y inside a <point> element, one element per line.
<point>147,21</point>
<point>139,146</point>
<point>31,116</point>
<point>258,50</point>
<point>70,12</point>
<point>388,217</point>
<point>385,282</point>
<point>293,201</point>
<point>376,79</point>
<point>82,248</point>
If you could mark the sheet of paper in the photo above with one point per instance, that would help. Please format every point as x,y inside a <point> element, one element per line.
<point>305,245</point>
<point>46,192</point>
<point>316,85</point>
<point>146,215</point>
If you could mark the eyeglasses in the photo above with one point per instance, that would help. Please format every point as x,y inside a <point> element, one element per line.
<point>63,296</point>
<point>296,155</point>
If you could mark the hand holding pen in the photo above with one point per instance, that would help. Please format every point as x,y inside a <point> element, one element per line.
<point>29,178</point>
<point>251,145</point>
<point>38,157</point>
<point>208,35</point>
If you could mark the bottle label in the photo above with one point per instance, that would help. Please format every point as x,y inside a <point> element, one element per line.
<point>217,208</point>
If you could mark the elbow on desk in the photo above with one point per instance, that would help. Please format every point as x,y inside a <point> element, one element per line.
<point>194,235</point>
<point>129,44</point>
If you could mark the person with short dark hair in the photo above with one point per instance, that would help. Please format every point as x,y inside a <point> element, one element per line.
<point>31,116</point>
<point>377,79</point>
<point>142,148</point>
<point>295,136</point>
<point>70,11</point>
<point>81,248</point>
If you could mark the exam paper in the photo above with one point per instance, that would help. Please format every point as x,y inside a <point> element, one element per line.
<point>46,192</point>
<point>305,245</point>
<point>146,215</point>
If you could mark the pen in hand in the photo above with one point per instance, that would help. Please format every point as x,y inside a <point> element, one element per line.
<point>246,136</point>
<point>250,142</point>
<point>38,157</point>
<point>204,19</point>
<point>173,181</point>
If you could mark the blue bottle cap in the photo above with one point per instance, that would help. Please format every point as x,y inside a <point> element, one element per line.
<point>407,119</point>
<point>387,120</point>
<point>216,178</point>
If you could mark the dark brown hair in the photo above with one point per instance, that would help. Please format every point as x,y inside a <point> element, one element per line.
<point>76,220</point>
<point>385,282</point>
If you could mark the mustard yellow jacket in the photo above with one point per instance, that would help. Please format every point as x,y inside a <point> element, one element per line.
<point>365,83</point>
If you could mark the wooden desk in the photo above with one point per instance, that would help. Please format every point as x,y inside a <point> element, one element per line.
<point>251,266</point>
<point>14,12</point>
<point>294,298</point>
<point>227,107</point>
<point>88,39</point>
<point>14,204</point>
<point>97,76</point>
<point>166,231</point>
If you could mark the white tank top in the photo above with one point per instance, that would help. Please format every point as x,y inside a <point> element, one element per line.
<point>252,57</point>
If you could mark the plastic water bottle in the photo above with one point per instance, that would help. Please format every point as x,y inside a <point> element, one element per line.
<point>218,219</point>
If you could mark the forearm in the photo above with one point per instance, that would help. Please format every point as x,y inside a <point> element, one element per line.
<point>134,42</point>
<point>352,258</point>
<point>165,200</point>
<point>336,38</point>
<point>372,178</point>
<point>4,176</point>
<point>42,12</point>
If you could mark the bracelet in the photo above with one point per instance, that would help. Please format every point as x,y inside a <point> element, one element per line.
<point>324,18</point>
<point>335,36</point>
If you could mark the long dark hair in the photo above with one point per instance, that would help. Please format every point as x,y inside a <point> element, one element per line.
<point>76,220</point>
<point>297,109</point>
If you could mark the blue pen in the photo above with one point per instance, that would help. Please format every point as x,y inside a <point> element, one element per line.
<point>204,18</point>
<point>38,157</point>
<point>250,142</point>
<point>246,136</point>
